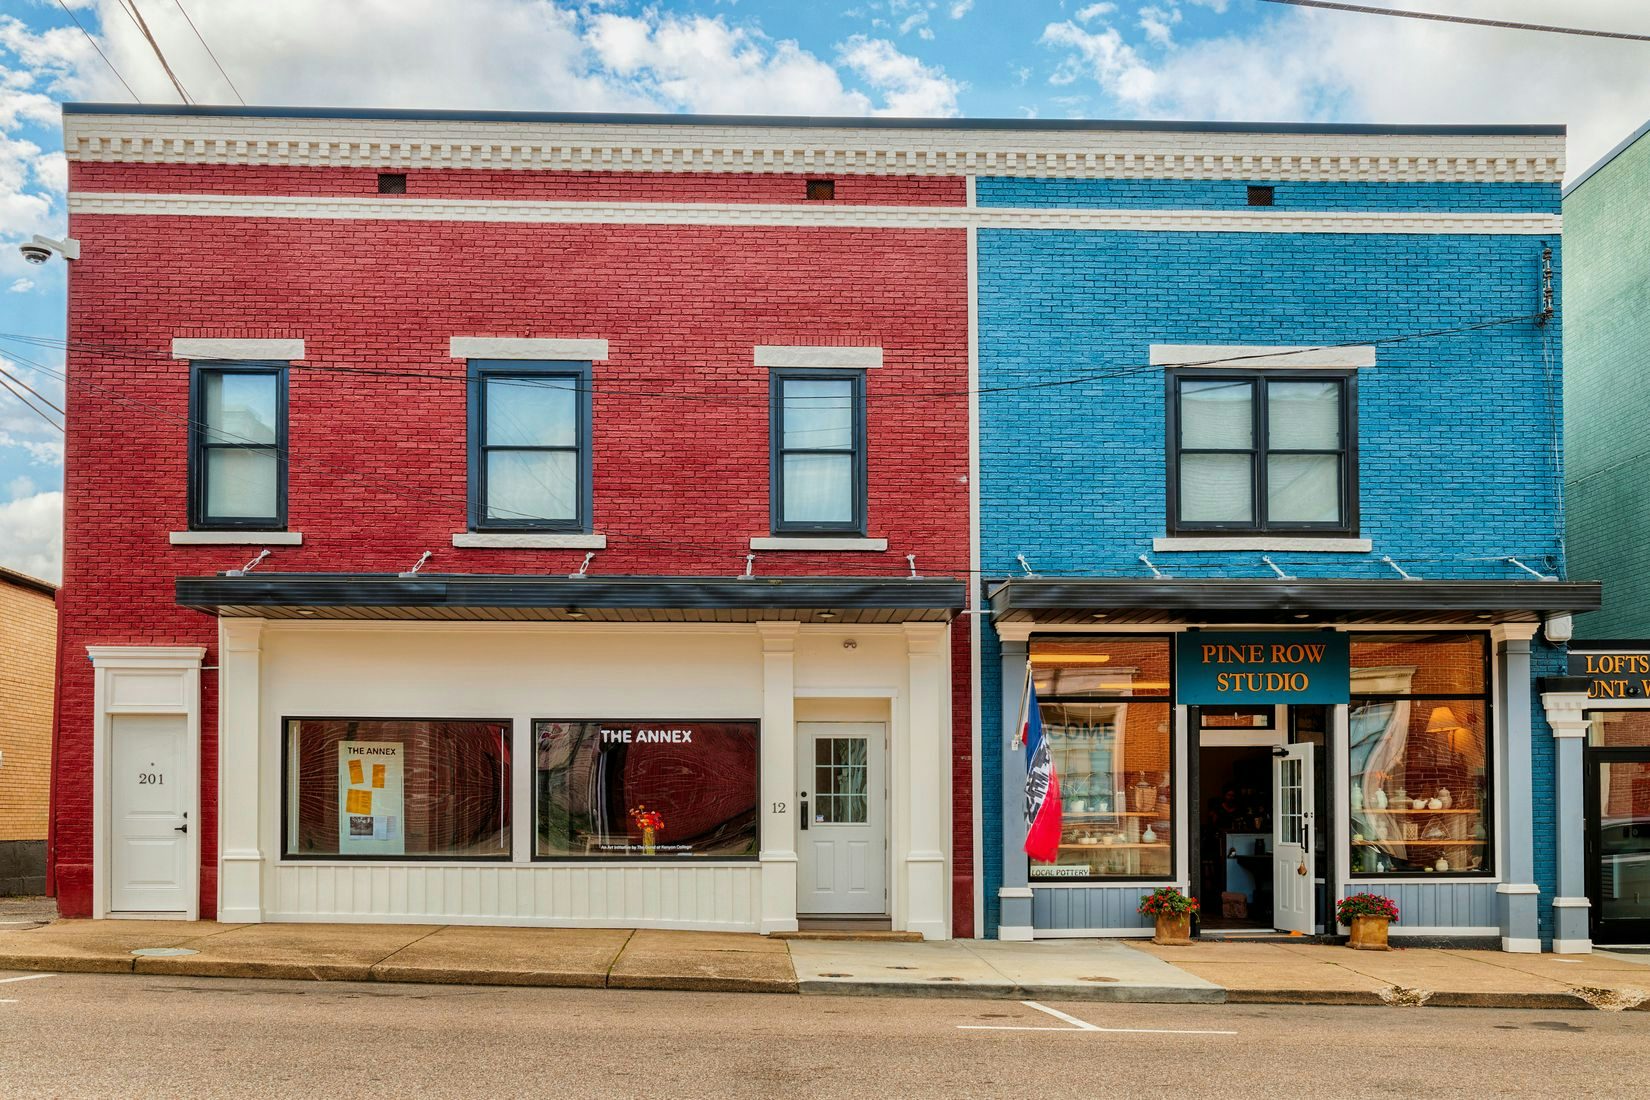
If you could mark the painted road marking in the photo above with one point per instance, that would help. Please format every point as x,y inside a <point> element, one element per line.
<point>1078,1026</point>
<point>26,978</point>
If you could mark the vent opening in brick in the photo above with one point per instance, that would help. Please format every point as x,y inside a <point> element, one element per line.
<point>395,183</point>
<point>822,189</point>
<point>1260,196</point>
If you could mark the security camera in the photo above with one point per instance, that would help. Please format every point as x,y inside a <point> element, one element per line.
<point>40,249</point>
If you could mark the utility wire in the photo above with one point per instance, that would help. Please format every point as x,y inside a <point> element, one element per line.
<point>43,398</point>
<point>762,397</point>
<point>70,13</point>
<point>209,52</point>
<point>5,384</point>
<point>940,566</point>
<point>131,9</point>
<point>1437,17</point>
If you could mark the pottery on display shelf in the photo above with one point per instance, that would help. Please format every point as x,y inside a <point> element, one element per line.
<point>1417,803</point>
<point>1149,836</point>
<point>1380,798</point>
<point>1446,798</point>
<point>1435,803</point>
<point>1403,796</point>
<point>1441,865</point>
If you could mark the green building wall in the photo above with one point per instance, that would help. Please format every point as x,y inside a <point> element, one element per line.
<point>1607,387</point>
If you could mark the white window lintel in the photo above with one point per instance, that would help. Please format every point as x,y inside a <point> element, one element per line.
<point>1307,544</point>
<point>1255,356</point>
<point>215,348</point>
<point>817,355</point>
<point>805,543</point>
<point>528,540</point>
<point>525,347</point>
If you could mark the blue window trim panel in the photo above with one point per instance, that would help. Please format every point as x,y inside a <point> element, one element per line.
<point>580,371</point>
<point>198,370</point>
<point>1297,196</point>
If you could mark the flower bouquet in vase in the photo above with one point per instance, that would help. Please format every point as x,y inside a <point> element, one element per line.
<point>649,822</point>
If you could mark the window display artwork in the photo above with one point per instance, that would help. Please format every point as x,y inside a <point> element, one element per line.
<point>397,789</point>
<point>646,789</point>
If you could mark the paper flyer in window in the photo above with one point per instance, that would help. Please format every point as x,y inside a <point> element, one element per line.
<point>371,794</point>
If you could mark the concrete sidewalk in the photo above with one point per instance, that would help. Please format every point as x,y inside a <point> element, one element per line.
<point>1055,970</point>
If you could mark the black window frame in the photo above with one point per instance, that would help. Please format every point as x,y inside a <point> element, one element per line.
<point>483,371</point>
<point>1258,452</point>
<point>199,444</point>
<point>777,451</point>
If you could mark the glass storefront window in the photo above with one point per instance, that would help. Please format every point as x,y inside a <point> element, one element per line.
<point>397,789</point>
<point>1421,775</point>
<point>1107,715</point>
<point>651,789</point>
<point>1619,729</point>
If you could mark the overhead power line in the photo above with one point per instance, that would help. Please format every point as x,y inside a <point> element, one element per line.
<point>131,9</point>
<point>70,13</point>
<point>5,384</point>
<point>1439,17</point>
<point>184,12</point>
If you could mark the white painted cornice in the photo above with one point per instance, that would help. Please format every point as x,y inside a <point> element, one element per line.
<point>549,145</point>
<point>1244,220</point>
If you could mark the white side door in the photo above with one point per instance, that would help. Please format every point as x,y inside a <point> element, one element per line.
<point>842,849</point>
<point>148,842</point>
<point>1293,889</point>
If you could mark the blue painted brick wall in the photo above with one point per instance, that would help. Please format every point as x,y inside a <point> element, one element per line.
<point>1533,198</point>
<point>1458,467</point>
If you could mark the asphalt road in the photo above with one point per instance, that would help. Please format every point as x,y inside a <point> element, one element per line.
<point>126,1036</point>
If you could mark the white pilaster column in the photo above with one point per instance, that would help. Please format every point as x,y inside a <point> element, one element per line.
<point>924,796</point>
<point>1571,907</point>
<point>1518,896</point>
<point>240,857</point>
<point>778,855</point>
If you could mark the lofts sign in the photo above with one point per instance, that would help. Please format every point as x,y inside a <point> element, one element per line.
<point>1613,675</point>
<point>1229,668</point>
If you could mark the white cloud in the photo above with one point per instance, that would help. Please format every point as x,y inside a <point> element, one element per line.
<point>20,486</point>
<point>1094,11</point>
<point>42,452</point>
<point>31,535</point>
<point>960,8</point>
<point>1322,65</point>
<point>20,286</point>
<point>1158,24</point>
<point>909,89</point>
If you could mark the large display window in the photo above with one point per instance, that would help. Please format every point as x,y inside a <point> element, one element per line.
<point>1422,778</point>
<point>397,789</point>
<point>646,789</point>
<point>1107,713</point>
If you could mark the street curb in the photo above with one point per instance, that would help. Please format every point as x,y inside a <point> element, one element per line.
<point>996,991</point>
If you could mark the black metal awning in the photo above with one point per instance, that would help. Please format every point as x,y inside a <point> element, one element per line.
<point>559,598</point>
<point>1173,601</point>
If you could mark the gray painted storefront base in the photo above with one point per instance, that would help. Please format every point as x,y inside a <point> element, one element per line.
<point>22,868</point>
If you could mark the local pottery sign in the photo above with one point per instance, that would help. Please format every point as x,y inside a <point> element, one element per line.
<point>1225,668</point>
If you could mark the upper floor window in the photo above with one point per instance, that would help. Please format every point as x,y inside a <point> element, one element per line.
<point>237,453</point>
<point>529,446</point>
<point>818,456</point>
<point>1270,451</point>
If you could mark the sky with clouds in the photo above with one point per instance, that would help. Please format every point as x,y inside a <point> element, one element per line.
<point>1190,59</point>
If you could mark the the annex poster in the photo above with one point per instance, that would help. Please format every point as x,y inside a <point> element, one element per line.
<point>371,817</point>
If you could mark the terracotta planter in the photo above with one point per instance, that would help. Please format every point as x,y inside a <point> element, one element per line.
<point>1175,931</point>
<point>1369,934</point>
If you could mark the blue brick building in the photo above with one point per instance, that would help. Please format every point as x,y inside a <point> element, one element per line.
<point>1302,392</point>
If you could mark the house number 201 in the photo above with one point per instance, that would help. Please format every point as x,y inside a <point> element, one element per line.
<point>151,779</point>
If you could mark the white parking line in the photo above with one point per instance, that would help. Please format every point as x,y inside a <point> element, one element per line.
<point>1078,1026</point>
<point>26,978</point>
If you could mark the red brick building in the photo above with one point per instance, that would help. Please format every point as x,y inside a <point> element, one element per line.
<point>572,441</point>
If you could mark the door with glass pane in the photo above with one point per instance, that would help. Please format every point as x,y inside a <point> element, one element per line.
<point>842,849</point>
<point>1293,885</point>
<point>1618,844</point>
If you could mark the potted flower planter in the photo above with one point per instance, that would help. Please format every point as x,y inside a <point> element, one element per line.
<point>1368,915</point>
<point>1171,913</point>
<point>1175,930</point>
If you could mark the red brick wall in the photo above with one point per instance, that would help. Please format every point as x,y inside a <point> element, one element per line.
<point>378,464</point>
<point>518,184</point>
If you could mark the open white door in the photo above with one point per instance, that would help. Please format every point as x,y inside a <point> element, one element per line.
<point>1293,889</point>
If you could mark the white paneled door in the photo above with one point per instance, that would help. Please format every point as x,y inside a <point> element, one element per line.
<point>842,831</point>
<point>1293,882</point>
<point>148,842</point>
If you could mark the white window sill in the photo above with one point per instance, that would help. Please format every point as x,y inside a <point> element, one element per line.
<point>527,540</point>
<point>818,544</point>
<point>236,538</point>
<point>1313,545</point>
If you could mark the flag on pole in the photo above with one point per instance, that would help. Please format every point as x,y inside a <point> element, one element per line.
<point>1042,784</point>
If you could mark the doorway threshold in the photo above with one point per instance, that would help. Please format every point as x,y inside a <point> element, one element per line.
<point>1255,934</point>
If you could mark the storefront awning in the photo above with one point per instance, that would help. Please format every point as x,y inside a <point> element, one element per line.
<point>574,599</point>
<point>1067,600</point>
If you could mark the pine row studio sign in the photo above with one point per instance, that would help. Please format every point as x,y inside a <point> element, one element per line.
<point>1227,668</point>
